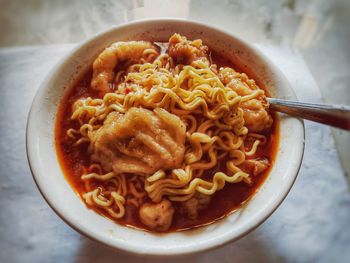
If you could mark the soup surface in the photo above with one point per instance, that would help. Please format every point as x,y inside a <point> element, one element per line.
<point>165,136</point>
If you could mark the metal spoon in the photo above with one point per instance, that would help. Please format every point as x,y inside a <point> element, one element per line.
<point>334,115</point>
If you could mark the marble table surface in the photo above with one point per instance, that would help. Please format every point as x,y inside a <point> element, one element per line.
<point>312,224</point>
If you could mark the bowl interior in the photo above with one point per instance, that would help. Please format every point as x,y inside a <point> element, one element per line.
<point>61,197</point>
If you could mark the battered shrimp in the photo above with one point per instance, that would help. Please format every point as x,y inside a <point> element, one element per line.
<point>184,51</point>
<point>255,114</point>
<point>256,118</point>
<point>103,66</point>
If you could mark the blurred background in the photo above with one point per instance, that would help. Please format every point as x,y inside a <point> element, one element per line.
<point>318,29</point>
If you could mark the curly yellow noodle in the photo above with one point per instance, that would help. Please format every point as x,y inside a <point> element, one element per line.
<point>190,122</point>
<point>252,151</point>
<point>103,177</point>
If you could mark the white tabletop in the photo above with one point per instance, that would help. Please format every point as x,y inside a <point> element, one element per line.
<point>312,224</point>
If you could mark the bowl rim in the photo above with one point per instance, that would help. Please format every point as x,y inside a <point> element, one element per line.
<point>35,168</point>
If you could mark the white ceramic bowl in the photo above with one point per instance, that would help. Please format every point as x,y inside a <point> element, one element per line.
<point>61,197</point>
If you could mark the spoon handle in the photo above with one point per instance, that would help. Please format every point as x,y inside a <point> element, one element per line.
<point>334,115</point>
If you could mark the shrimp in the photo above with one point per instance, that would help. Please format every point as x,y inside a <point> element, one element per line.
<point>256,117</point>
<point>184,51</point>
<point>103,66</point>
<point>255,111</point>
